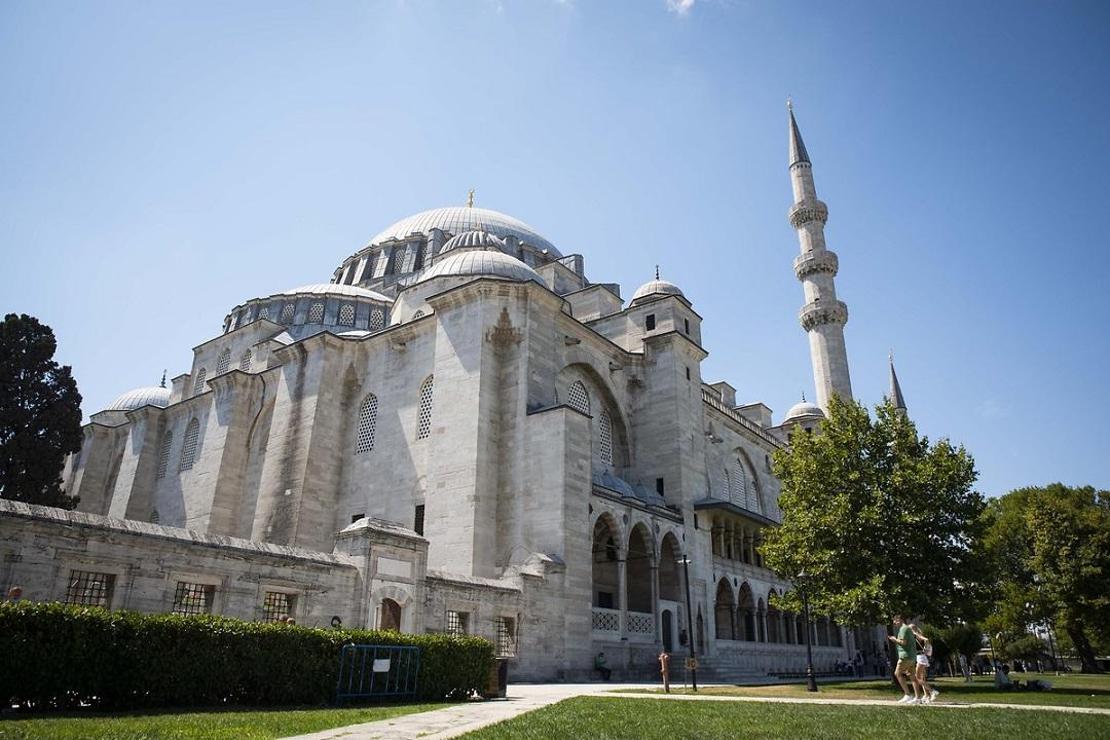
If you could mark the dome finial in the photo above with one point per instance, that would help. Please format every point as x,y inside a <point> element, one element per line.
<point>163,383</point>
<point>803,396</point>
<point>470,198</point>
<point>657,272</point>
<point>789,103</point>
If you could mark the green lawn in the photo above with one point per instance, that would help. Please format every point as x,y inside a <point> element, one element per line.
<point>1072,689</point>
<point>230,724</point>
<point>644,719</point>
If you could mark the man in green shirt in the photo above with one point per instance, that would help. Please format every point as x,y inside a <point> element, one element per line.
<point>906,668</point>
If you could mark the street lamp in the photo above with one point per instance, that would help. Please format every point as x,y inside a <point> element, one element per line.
<point>811,680</point>
<point>689,624</point>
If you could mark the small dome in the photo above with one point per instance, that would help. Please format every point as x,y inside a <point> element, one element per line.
<point>803,410</point>
<point>656,287</point>
<point>136,399</point>
<point>474,240</point>
<point>482,264</point>
<point>351,291</point>
<point>355,334</point>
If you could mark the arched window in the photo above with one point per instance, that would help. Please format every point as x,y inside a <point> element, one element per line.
<point>367,423</point>
<point>264,312</point>
<point>739,493</point>
<point>578,398</point>
<point>377,319</point>
<point>223,362</point>
<point>726,485</point>
<point>246,361</point>
<point>605,438</point>
<point>164,454</point>
<point>316,313</point>
<point>417,315</point>
<point>198,384</point>
<point>154,517</point>
<point>424,414</point>
<point>347,315</point>
<point>189,445</point>
<point>287,313</point>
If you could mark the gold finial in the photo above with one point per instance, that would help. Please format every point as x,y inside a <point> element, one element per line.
<point>803,396</point>
<point>657,272</point>
<point>470,198</point>
<point>789,103</point>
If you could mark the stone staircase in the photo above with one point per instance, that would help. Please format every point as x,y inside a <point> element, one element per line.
<point>716,669</point>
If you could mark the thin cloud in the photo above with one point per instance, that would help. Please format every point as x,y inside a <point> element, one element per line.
<point>680,7</point>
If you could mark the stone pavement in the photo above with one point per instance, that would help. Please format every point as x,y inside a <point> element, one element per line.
<point>460,719</point>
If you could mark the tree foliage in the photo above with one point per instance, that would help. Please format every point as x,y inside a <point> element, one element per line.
<point>879,519</point>
<point>1050,548</point>
<point>40,414</point>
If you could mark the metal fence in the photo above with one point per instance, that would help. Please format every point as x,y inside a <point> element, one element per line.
<point>370,672</point>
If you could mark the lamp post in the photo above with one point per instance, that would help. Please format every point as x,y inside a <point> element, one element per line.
<point>689,624</point>
<point>811,680</point>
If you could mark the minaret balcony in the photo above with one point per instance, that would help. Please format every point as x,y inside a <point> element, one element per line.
<point>806,212</point>
<point>813,262</point>
<point>821,312</point>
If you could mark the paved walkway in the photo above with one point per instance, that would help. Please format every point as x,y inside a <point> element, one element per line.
<point>460,719</point>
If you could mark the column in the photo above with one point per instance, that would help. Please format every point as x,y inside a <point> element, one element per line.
<point>655,598</point>
<point>732,631</point>
<point>622,587</point>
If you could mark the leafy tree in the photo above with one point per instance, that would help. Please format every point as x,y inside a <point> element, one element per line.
<point>880,520</point>
<point>1050,547</point>
<point>964,639</point>
<point>1026,646</point>
<point>40,414</point>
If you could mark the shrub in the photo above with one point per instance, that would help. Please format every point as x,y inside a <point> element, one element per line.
<point>68,656</point>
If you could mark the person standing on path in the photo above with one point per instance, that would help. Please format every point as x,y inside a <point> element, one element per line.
<point>906,666</point>
<point>665,670</point>
<point>923,656</point>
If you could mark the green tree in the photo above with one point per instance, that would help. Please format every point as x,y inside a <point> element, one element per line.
<point>964,639</point>
<point>879,519</point>
<point>40,414</point>
<point>1050,548</point>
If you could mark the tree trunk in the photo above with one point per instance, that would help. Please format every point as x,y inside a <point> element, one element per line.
<point>1082,647</point>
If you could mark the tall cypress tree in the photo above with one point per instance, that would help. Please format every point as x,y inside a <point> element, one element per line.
<point>40,414</point>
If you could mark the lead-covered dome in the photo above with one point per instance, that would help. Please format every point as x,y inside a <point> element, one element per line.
<point>656,287</point>
<point>457,220</point>
<point>482,264</point>
<point>139,397</point>
<point>803,410</point>
<point>474,240</point>
<point>351,291</point>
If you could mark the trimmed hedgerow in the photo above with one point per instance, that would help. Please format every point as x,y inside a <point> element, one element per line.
<point>69,656</point>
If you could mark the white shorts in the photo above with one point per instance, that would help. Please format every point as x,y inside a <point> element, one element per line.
<point>923,660</point>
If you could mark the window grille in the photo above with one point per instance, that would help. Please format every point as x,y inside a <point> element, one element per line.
<point>164,454</point>
<point>457,622</point>
<point>316,313</point>
<point>418,519</point>
<point>189,445</point>
<point>381,261</point>
<point>367,422</point>
<point>605,438</point>
<point>739,493</point>
<point>578,398</point>
<point>90,589</point>
<point>276,605</point>
<point>424,414</point>
<point>726,485</point>
<point>287,313</point>
<point>155,517</point>
<point>650,322</point>
<point>198,383</point>
<point>246,361</point>
<point>264,313</point>
<point>377,320</point>
<point>506,637</point>
<point>418,260</point>
<point>193,598</point>
<point>223,362</point>
<point>347,315</point>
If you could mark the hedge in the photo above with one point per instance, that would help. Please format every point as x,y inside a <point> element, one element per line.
<point>57,656</point>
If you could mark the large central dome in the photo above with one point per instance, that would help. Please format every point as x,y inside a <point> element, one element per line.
<point>456,220</point>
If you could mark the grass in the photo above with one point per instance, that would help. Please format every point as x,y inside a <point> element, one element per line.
<point>225,724</point>
<point>1069,690</point>
<point>645,719</point>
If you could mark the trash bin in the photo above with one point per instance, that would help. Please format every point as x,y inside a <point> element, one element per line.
<point>498,680</point>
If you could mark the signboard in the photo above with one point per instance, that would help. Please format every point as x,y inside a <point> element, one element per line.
<point>691,664</point>
<point>381,665</point>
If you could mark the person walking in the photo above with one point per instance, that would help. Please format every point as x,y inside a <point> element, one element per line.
<point>665,670</point>
<point>923,656</point>
<point>906,664</point>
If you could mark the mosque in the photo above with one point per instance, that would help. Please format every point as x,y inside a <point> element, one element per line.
<point>460,432</point>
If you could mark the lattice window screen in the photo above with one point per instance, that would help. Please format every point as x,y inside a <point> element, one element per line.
<point>347,315</point>
<point>287,313</point>
<point>578,398</point>
<point>316,313</point>
<point>189,445</point>
<point>164,453</point>
<point>739,493</point>
<point>377,319</point>
<point>198,383</point>
<point>367,423</point>
<point>246,361</point>
<point>424,414</point>
<point>605,438</point>
<point>223,362</point>
<point>506,637</point>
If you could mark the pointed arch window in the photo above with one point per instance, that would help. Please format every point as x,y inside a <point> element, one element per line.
<point>377,319</point>
<point>739,492</point>
<point>246,361</point>
<point>287,313</point>
<point>577,397</point>
<point>198,384</point>
<point>316,313</point>
<point>189,445</point>
<point>223,362</point>
<point>424,414</point>
<point>367,423</point>
<point>347,315</point>
<point>605,438</point>
<point>164,454</point>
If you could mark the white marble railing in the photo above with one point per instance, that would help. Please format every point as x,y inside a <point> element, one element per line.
<point>607,621</point>
<point>639,625</point>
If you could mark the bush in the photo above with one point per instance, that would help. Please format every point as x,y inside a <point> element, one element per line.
<point>68,656</point>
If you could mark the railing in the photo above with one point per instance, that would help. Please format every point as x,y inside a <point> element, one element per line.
<point>638,624</point>
<point>607,620</point>
<point>368,672</point>
<point>712,400</point>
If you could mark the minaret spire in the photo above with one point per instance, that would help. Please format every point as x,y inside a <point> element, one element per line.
<point>823,316</point>
<point>895,394</point>
<point>163,383</point>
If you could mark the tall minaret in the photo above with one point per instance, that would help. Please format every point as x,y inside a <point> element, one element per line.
<point>895,394</point>
<point>823,316</point>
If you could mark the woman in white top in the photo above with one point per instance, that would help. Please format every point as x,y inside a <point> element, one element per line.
<point>923,654</point>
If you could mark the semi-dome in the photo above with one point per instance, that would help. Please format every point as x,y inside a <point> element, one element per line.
<point>476,239</point>
<point>482,264</point>
<point>139,397</point>
<point>656,287</point>
<point>456,220</point>
<point>350,291</point>
<point>803,410</point>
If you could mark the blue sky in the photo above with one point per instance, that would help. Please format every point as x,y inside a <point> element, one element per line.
<point>160,163</point>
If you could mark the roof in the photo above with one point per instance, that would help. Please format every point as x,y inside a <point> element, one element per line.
<point>803,410</point>
<point>457,220</point>
<point>473,240</point>
<point>139,397</point>
<point>351,291</point>
<point>656,287</point>
<point>482,264</point>
<point>798,151</point>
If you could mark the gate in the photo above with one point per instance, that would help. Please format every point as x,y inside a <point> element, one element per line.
<point>368,672</point>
